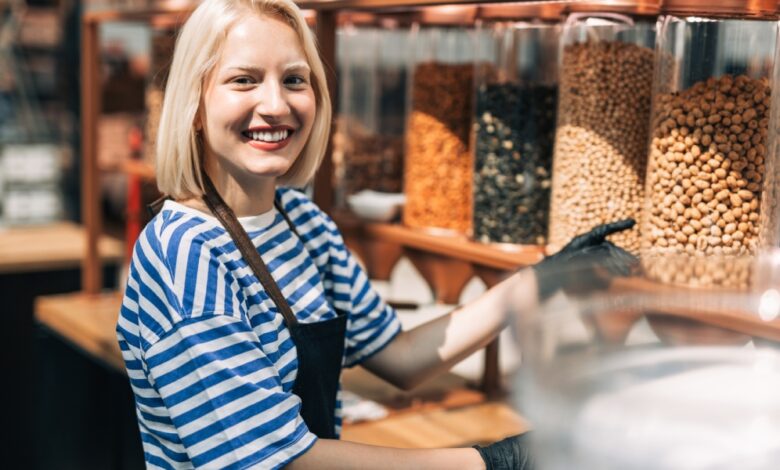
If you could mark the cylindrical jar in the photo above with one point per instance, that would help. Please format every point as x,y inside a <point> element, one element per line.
<point>708,158</point>
<point>603,118</point>
<point>438,168</point>
<point>514,122</point>
<point>369,141</point>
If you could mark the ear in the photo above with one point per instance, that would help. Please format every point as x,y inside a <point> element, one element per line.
<point>197,123</point>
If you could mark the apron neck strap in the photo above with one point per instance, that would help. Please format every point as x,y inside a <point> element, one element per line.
<point>228,219</point>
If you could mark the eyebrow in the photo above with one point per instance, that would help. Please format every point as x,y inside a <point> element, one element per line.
<point>287,68</point>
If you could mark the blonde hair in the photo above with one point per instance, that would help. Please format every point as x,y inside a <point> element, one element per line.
<point>179,152</point>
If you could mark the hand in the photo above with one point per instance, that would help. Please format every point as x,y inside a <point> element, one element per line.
<point>512,453</point>
<point>582,264</point>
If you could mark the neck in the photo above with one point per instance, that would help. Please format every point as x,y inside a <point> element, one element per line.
<point>246,198</point>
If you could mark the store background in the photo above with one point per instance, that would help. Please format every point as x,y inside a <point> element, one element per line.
<point>67,410</point>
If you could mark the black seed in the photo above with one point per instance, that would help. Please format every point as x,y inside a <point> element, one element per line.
<point>512,185</point>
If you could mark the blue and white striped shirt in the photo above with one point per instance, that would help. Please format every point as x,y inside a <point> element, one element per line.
<point>209,358</point>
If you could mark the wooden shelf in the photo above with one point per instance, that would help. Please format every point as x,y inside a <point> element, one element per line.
<point>509,257</point>
<point>86,320</point>
<point>496,256</point>
<point>178,15</point>
<point>55,246</point>
<point>482,423</point>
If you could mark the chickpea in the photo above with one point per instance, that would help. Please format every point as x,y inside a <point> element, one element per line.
<point>714,203</point>
<point>601,143</point>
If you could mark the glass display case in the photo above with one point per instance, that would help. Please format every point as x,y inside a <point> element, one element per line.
<point>439,165</point>
<point>708,156</point>
<point>631,379</point>
<point>514,122</point>
<point>604,97</point>
<point>369,141</point>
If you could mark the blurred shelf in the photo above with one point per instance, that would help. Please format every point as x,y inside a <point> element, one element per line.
<point>47,247</point>
<point>175,15</point>
<point>744,321</point>
<point>138,168</point>
<point>86,320</point>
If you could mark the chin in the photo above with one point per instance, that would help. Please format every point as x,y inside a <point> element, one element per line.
<point>269,167</point>
<point>268,171</point>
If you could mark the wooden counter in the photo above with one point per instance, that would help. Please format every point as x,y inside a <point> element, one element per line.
<point>60,245</point>
<point>88,321</point>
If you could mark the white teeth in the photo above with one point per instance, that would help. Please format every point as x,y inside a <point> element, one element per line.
<point>277,136</point>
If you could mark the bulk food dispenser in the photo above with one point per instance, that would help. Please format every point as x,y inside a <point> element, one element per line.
<point>439,166</point>
<point>708,159</point>
<point>603,117</point>
<point>514,127</point>
<point>368,146</point>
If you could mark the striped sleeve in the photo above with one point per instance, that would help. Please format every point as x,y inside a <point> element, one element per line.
<point>224,396</point>
<point>372,324</point>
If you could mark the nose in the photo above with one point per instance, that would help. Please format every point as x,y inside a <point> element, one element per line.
<point>271,101</point>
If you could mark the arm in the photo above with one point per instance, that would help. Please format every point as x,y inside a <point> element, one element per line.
<point>434,347</point>
<point>328,453</point>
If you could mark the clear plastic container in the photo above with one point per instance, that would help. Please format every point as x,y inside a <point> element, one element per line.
<point>372,61</point>
<point>516,99</point>
<point>708,154</point>
<point>769,218</point>
<point>603,118</point>
<point>636,380</point>
<point>439,165</point>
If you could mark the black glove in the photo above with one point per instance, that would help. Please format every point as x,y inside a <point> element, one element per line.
<point>512,453</point>
<point>576,267</point>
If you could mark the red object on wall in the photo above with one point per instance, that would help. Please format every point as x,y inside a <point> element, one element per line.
<point>133,205</point>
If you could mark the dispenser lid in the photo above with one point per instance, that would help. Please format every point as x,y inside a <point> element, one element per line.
<point>635,7</point>
<point>760,9</point>
<point>447,15</point>
<point>545,11</point>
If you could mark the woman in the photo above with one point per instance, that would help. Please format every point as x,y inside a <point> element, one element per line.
<point>242,302</point>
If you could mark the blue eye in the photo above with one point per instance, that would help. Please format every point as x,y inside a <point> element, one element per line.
<point>243,80</point>
<point>295,80</point>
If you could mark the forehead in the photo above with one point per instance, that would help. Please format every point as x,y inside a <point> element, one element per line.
<point>257,37</point>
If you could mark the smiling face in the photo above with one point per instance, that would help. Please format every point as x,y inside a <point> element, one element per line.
<point>258,105</point>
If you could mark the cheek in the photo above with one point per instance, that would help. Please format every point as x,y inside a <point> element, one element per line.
<point>306,108</point>
<point>223,110</point>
